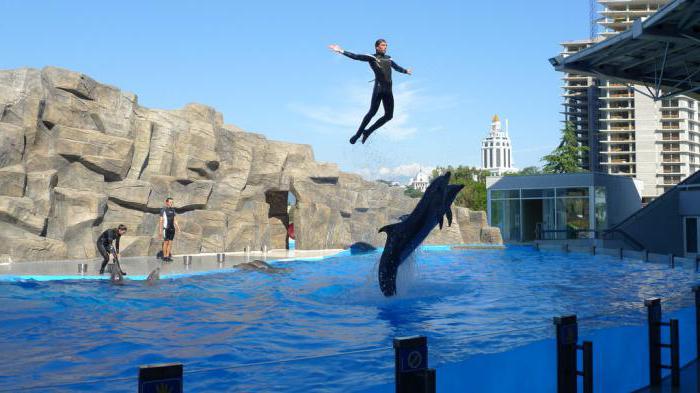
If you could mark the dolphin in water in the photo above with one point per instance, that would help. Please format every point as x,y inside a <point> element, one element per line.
<point>154,275</point>
<point>406,235</point>
<point>116,275</point>
<point>361,248</point>
<point>261,266</point>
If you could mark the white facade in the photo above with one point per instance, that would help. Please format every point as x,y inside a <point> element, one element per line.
<point>627,132</point>
<point>496,150</point>
<point>420,181</point>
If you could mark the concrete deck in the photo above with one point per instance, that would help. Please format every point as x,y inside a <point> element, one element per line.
<point>139,267</point>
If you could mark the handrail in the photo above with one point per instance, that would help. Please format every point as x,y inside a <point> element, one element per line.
<point>626,236</point>
<point>596,234</point>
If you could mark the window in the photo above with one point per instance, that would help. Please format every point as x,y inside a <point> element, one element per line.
<point>505,194</point>
<point>573,216</point>
<point>600,208</point>
<point>538,193</point>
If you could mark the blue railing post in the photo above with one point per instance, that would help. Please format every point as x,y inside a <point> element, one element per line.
<point>411,365</point>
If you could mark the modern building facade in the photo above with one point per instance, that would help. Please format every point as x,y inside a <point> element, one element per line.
<point>668,225</point>
<point>628,133</point>
<point>560,206</point>
<point>496,150</point>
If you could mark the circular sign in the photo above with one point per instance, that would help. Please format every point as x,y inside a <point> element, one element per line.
<point>415,359</point>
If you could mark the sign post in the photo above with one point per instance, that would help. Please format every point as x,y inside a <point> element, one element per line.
<point>160,378</point>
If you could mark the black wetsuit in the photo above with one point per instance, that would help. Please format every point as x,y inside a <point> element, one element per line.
<point>104,246</point>
<point>381,64</point>
<point>168,215</point>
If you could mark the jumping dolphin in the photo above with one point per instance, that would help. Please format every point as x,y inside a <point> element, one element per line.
<point>154,275</point>
<point>405,236</point>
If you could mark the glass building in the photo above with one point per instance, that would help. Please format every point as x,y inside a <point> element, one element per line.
<point>559,206</point>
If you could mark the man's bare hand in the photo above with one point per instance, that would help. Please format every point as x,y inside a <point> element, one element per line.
<point>409,71</point>
<point>335,48</point>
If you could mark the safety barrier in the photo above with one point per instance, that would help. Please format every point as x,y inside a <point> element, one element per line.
<point>620,253</point>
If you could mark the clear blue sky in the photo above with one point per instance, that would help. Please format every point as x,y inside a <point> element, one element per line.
<point>266,67</point>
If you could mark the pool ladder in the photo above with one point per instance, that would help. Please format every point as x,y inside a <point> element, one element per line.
<point>567,347</point>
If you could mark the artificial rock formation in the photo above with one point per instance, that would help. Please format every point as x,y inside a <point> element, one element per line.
<point>78,156</point>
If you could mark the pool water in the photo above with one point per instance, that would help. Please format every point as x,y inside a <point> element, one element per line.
<point>254,331</point>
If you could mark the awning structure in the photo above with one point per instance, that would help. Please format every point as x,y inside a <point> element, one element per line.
<point>661,53</point>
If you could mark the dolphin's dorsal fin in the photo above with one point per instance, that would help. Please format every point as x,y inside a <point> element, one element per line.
<point>388,229</point>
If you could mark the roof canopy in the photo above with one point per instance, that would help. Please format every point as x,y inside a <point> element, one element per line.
<point>661,53</point>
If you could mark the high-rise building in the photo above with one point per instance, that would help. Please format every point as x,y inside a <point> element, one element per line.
<point>628,133</point>
<point>496,150</point>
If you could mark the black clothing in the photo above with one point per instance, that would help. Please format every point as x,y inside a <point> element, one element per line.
<point>381,64</point>
<point>168,214</point>
<point>168,234</point>
<point>104,246</point>
<point>109,236</point>
<point>386,97</point>
<point>105,255</point>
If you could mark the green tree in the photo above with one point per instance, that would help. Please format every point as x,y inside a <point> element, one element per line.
<point>473,195</point>
<point>527,171</point>
<point>567,157</point>
<point>412,192</point>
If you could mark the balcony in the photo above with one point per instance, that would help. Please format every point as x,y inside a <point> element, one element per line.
<point>620,149</point>
<point>617,119</point>
<point>571,95</point>
<point>617,97</point>
<point>615,130</point>
<point>573,77</point>
<point>620,160</point>
<point>670,115</point>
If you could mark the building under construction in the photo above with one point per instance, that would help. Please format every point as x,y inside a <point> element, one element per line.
<point>628,131</point>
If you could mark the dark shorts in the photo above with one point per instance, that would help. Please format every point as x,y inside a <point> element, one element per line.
<point>168,234</point>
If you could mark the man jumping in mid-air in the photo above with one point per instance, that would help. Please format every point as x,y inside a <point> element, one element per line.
<point>381,64</point>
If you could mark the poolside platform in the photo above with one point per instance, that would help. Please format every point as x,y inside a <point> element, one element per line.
<point>689,381</point>
<point>138,268</point>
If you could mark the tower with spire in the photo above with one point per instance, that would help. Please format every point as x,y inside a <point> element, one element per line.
<point>496,149</point>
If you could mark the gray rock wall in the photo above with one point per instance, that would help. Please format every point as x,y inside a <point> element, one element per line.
<point>78,157</point>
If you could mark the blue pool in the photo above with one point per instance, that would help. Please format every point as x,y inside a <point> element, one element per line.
<point>487,315</point>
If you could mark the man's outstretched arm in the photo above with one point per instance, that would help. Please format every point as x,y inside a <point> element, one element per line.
<point>338,49</point>
<point>400,69</point>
